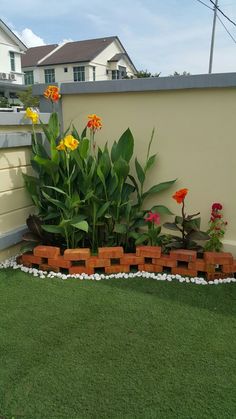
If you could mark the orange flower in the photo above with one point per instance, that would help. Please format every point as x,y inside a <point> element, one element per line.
<point>52,93</point>
<point>180,195</point>
<point>94,122</point>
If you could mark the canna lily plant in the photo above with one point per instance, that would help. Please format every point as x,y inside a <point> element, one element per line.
<point>188,227</point>
<point>85,194</point>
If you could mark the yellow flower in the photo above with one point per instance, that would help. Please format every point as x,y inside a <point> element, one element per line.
<point>61,146</point>
<point>33,115</point>
<point>71,142</point>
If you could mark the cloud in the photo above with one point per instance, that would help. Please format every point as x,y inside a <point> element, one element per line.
<point>29,38</point>
<point>64,41</point>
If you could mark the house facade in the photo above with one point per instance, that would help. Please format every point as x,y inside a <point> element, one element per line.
<point>11,50</point>
<point>89,60</point>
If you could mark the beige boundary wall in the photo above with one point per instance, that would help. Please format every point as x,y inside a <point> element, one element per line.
<point>15,204</point>
<point>195,138</point>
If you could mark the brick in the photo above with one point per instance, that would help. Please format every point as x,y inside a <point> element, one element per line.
<point>131,259</point>
<point>228,269</point>
<point>184,271</point>
<point>149,251</point>
<point>184,255</point>
<point>115,269</point>
<point>218,258</point>
<point>97,262</point>
<point>110,252</point>
<point>199,265</point>
<point>29,258</point>
<point>216,275</point>
<point>60,262</point>
<point>77,254</point>
<point>46,267</point>
<point>81,270</point>
<point>47,251</point>
<point>148,267</point>
<point>166,261</point>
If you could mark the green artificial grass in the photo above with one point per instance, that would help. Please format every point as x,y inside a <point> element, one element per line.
<point>121,348</point>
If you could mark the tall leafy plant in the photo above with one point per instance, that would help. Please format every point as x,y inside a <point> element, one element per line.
<point>85,194</point>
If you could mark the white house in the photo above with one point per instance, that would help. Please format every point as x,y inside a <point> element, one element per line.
<point>11,50</point>
<point>89,60</point>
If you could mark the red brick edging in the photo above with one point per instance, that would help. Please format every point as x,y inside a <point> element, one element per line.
<point>147,258</point>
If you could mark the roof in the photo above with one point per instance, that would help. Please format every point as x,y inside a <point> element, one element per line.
<point>11,34</point>
<point>34,54</point>
<point>117,57</point>
<point>79,51</point>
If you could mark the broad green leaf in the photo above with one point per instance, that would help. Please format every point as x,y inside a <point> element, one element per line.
<point>51,216</point>
<point>114,156</point>
<point>120,228</point>
<point>81,225</point>
<point>28,247</point>
<point>125,146</point>
<point>54,201</point>
<point>141,239</point>
<point>121,168</point>
<point>75,133</point>
<point>57,190</point>
<point>53,229</point>
<point>159,188</point>
<point>171,226</point>
<point>84,132</point>
<point>101,176</point>
<point>197,235</point>
<point>178,220</point>
<point>150,162</point>
<point>77,218</point>
<point>112,184</point>
<point>84,148</point>
<point>103,209</point>
<point>140,172</point>
<point>49,166</point>
<point>162,210</point>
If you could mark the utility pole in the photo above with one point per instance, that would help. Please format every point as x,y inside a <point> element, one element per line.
<point>213,37</point>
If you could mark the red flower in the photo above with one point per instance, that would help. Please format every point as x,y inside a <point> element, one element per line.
<point>180,195</point>
<point>153,217</point>
<point>216,206</point>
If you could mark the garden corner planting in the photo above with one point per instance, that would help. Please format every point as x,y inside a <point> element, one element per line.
<point>92,217</point>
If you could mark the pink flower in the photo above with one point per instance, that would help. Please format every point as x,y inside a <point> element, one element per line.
<point>153,217</point>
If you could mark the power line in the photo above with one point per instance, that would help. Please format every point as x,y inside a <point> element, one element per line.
<point>231,36</point>
<point>227,17</point>
<point>204,4</point>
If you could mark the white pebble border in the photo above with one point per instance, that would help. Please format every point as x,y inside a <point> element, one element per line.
<point>11,263</point>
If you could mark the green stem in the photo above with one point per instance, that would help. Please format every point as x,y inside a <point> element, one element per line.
<point>183,225</point>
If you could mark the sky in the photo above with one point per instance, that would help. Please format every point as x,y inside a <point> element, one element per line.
<point>161,36</point>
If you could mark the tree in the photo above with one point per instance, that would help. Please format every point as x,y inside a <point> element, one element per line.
<point>185,73</point>
<point>27,98</point>
<point>146,74</point>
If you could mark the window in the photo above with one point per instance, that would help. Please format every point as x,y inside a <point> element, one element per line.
<point>114,74</point>
<point>49,74</point>
<point>118,74</point>
<point>65,70</point>
<point>12,61</point>
<point>79,73</point>
<point>94,73</point>
<point>122,72</point>
<point>29,77</point>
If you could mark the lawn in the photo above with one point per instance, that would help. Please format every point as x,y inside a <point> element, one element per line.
<point>116,349</point>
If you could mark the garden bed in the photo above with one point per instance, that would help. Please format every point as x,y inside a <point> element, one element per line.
<point>111,260</point>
